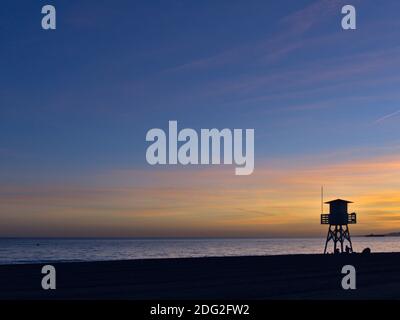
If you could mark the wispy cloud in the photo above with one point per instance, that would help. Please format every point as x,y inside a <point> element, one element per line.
<point>276,46</point>
<point>388,116</point>
<point>281,196</point>
<point>303,20</point>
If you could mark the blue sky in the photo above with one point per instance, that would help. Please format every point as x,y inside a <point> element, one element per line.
<point>79,100</point>
<point>109,73</point>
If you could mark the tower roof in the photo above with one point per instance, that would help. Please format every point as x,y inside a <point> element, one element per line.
<point>338,201</point>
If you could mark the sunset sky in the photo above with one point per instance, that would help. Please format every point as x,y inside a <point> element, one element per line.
<point>76,104</point>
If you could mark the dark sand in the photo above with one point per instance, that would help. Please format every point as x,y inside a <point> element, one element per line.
<point>267,277</point>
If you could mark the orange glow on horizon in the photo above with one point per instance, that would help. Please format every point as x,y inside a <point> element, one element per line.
<point>274,201</point>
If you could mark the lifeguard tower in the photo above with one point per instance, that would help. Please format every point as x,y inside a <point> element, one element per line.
<point>338,220</point>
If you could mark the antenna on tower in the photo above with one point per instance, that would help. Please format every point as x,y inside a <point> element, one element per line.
<point>322,199</point>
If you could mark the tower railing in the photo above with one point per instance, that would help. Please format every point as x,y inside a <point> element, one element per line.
<point>324,218</point>
<point>351,218</point>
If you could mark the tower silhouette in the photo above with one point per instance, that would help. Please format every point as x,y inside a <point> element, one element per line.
<point>338,220</point>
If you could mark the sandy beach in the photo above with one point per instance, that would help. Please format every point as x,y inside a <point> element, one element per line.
<point>263,277</point>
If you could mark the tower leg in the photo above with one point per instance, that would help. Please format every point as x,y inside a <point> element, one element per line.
<point>351,245</point>
<point>338,233</point>
<point>341,238</point>
<point>329,237</point>
<point>335,239</point>
<point>346,235</point>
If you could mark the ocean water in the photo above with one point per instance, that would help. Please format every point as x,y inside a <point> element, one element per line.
<point>29,250</point>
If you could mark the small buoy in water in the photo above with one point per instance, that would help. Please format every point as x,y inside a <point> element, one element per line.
<point>366,251</point>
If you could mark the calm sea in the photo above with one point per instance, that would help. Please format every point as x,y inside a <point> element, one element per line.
<point>47,250</point>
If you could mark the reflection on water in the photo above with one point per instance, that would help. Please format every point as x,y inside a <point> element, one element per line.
<point>41,250</point>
